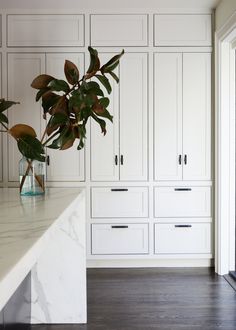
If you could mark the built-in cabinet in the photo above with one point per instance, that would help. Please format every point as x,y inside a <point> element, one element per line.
<point>148,179</point>
<point>124,148</point>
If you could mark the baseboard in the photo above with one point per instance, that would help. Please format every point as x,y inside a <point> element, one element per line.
<point>150,263</point>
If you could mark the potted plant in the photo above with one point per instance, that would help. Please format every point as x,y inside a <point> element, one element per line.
<point>67,106</point>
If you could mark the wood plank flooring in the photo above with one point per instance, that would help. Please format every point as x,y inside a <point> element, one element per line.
<point>160,299</point>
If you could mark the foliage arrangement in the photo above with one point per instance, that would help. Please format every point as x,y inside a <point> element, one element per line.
<point>67,106</point>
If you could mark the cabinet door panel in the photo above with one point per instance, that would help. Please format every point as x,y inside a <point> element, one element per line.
<point>66,165</point>
<point>1,146</point>
<point>104,149</point>
<point>133,116</point>
<point>168,116</point>
<point>22,69</point>
<point>197,115</point>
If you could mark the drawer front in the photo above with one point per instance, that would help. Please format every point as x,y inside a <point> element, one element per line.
<point>120,202</point>
<point>119,30</point>
<point>183,238</point>
<point>45,30</point>
<point>182,202</point>
<point>189,30</point>
<point>119,238</point>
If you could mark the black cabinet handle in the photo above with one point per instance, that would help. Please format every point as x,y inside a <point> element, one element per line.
<point>185,159</point>
<point>48,160</point>
<point>122,160</point>
<point>180,159</point>
<point>183,189</point>
<point>118,227</point>
<point>119,189</point>
<point>183,226</point>
<point>116,159</point>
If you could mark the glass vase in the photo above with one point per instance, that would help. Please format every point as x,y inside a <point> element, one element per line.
<point>32,177</point>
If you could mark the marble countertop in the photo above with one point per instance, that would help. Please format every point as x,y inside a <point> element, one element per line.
<point>25,223</point>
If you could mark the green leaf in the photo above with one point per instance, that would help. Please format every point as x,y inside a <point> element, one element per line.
<point>41,92</point>
<point>106,114</point>
<point>3,118</point>
<point>94,60</point>
<point>58,119</point>
<point>101,122</point>
<point>104,101</point>
<point>71,72</point>
<point>65,139</point>
<point>105,82</point>
<point>114,76</point>
<point>31,148</point>
<point>58,85</point>
<point>4,105</point>
<point>49,99</point>
<point>112,63</point>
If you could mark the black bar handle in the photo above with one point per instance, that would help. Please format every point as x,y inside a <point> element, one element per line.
<point>185,159</point>
<point>48,160</point>
<point>183,189</point>
<point>117,227</point>
<point>183,226</point>
<point>180,159</point>
<point>122,160</point>
<point>116,159</point>
<point>119,189</point>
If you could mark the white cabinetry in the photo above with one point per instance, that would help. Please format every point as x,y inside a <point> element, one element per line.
<point>1,144</point>
<point>66,165</point>
<point>182,116</point>
<point>22,68</point>
<point>124,150</point>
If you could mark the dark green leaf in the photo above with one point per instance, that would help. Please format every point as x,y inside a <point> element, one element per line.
<point>71,72</point>
<point>112,63</point>
<point>104,101</point>
<point>114,76</point>
<point>49,99</point>
<point>41,92</point>
<point>3,118</point>
<point>105,82</point>
<point>101,122</point>
<point>106,114</point>
<point>4,105</point>
<point>31,148</point>
<point>59,86</point>
<point>58,119</point>
<point>94,60</point>
<point>64,141</point>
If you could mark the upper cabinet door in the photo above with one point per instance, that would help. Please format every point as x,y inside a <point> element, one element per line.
<point>22,69</point>
<point>104,150</point>
<point>133,117</point>
<point>66,165</point>
<point>168,116</point>
<point>197,116</point>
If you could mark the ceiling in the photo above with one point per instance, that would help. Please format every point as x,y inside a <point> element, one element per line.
<point>109,4</point>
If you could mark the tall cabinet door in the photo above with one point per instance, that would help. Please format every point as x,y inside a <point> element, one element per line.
<point>197,116</point>
<point>168,116</point>
<point>66,165</point>
<point>22,69</point>
<point>133,117</point>
<point>105,149</point>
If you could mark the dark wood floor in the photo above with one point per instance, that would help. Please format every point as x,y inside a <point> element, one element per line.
<point>160,299</point>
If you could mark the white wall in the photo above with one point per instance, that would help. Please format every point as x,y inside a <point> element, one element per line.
<point>223,11</point>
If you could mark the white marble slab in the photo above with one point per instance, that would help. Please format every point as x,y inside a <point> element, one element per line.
<point>45,234</point>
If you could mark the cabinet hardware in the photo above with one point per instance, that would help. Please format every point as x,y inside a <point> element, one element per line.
<point>183,189</point>
<point>122,160</point>
<point>119,189</point>
<point>117,227</point>
<point>48,160</point>
<point>185,159</point>
<point>183,226</point>
<point>180,159</point>
<point>116,159</point>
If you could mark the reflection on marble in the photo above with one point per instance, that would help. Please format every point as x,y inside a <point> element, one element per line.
<point>59,277</point>
<point>18,309</point>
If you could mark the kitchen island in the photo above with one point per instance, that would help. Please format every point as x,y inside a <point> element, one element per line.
<point>42,238</point>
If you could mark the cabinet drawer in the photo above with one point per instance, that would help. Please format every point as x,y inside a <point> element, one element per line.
<point>183,238</point>
<point>119,238</point>
<point>119,30</point>
<point>182,202</point>
<point>120,202</point>
<point>189,30</point>
<point>45,30</point>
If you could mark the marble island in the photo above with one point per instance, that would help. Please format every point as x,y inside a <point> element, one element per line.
<point>45,236</point>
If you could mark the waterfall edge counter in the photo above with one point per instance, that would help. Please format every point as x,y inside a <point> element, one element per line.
<point>45,236</point>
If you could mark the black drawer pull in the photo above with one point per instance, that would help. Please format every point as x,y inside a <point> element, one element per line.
<point>185,159</point>
<point>116,160</point>
<point>183,226</point>
<point>183,189</point>
<point>48,160</point>
<point>118,227</point>
<point>119,189</point>
<point>122,160</point>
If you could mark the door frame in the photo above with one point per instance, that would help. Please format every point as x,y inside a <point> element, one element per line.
<point>225,43</point>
